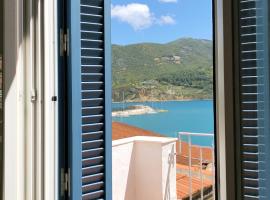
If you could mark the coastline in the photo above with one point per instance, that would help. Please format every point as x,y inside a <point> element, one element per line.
<point>176,100</point>
<point>134,110</point>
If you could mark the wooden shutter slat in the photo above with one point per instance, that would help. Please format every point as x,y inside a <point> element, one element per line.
<point>92,122</point>
<point>252,98</point>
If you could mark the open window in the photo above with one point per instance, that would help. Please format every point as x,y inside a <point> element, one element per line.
<point>57,131</point>
<point>163,116</point>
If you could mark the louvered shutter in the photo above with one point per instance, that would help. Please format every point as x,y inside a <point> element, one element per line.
<point>89,99</point>
<point>254,98</point>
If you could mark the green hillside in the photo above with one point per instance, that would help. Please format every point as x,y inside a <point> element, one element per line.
<point>181,69</point>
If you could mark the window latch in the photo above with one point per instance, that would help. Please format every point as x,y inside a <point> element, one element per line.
<point>65,182</point>
<point>33,96</point>
<point>63,42</point>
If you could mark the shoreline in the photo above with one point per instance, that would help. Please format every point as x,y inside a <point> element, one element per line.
<point>135,110</point>
<point>176,100</point>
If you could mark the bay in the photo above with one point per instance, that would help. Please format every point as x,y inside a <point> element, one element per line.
<point>181,116</point>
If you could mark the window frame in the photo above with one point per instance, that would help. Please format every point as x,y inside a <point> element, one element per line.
<point>225,110</point>
<point>226,120</point>
<point>2,81</point>
<point>29,152</point>
<point>108,99</point>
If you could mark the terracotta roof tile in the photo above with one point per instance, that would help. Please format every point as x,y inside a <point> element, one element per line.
<point>182,185</point>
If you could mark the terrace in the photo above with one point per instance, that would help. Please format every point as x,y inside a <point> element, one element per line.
<point>154,167</point>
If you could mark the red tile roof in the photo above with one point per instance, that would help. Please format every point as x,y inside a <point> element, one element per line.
<point>182,186</point>
<point>121,130</point>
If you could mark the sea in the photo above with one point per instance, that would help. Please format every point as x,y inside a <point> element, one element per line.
<point>196,116</point>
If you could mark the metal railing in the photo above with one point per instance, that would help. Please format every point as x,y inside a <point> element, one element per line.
<point>186,137</point>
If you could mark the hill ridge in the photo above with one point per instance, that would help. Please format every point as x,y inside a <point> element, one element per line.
<point>180,69</point>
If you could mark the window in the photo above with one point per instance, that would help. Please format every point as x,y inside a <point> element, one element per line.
<point>162,90</point>
<point>84,101</point>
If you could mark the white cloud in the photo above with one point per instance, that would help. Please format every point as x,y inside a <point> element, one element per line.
<point>139,16</point>
<point>166,19</point>
<point>168,1</point>
<point>135,14</point>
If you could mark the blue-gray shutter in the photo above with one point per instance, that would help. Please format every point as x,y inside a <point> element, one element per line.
<point>254,99</point>
<point>89,99</point>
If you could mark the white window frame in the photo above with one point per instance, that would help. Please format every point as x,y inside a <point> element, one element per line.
<point>30,138</point>
<point>225,104</point>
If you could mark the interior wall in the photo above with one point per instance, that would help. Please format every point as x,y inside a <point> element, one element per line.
<point>1,100</point>
<point>14,138</point>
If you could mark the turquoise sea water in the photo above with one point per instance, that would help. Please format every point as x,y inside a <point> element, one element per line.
<point>182,116</point>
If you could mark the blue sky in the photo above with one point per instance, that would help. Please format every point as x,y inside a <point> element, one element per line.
<point>160,21</point>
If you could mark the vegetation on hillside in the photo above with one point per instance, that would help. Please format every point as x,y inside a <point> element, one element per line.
<point>182,69</point>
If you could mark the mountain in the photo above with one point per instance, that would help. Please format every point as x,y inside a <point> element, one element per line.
<point>181,69</point>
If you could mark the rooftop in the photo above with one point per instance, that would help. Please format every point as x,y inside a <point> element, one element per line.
<point>124,133</point>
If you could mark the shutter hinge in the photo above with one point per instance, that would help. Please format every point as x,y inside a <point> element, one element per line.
<point>65,182</point>
<point>64,42</point>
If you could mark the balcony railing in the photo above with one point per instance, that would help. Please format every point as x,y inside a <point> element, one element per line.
<point>197,152</point>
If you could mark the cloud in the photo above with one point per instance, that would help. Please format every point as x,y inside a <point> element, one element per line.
<point>136,15</point>
<point>139,16</point>
<point>166,19</point>
<point>168,1</point>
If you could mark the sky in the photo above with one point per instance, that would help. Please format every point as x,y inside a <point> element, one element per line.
<point>160,21</point>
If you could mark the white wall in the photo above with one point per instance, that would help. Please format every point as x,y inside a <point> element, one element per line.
<point>123,163</point>
<point>14,139</point>
<point>148,170</point>
<point>144,168</point>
